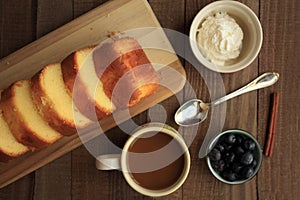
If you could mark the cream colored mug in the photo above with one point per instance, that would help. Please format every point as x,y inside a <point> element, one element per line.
<point>155,160</point>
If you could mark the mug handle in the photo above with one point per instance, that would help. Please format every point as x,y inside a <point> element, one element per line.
<point>108,162</point>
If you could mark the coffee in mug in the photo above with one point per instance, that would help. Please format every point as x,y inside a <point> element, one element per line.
<point>155,160</point>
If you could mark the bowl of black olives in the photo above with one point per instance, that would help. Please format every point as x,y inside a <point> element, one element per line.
<point>234,156</point>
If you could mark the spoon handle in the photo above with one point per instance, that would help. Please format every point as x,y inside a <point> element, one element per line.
<point>265,80</point>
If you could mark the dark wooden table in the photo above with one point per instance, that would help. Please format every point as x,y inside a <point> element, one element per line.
<point>74,175</point>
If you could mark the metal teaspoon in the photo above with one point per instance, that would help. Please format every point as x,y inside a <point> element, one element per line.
<point>195,111</point>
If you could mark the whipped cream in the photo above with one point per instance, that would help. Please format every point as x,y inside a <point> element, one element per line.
<point>220,38</point>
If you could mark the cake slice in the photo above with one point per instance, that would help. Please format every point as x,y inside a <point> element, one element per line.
<point>23,118</point>
<point>83,84</point>
<point>125,71</point>
<point>54,102</point>
<point>9,147</point>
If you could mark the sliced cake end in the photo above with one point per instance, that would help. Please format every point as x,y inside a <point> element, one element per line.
<point>23,118</point>
<point>54,101</point>
<point>82,82</point>
<point>9,147</point>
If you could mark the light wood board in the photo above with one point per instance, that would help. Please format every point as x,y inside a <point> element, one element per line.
<point>120,16</point>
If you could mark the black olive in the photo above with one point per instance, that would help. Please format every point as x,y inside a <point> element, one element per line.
<point>227,147</point>
<point>247,172</point>
<point>215,154</point>
<point>254,163</point>
<point>247,158</point>
<point>239,150</point>
<point>249,144</point>
<point>220,147</point>
<point>236,167</point>
<point>218,165</point>
<point>238,139</point>
<point>230,139</point>
<point>229,176</point>
<point>229,157</point>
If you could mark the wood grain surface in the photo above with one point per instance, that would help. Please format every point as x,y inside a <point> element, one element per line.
<point>92,28</point>
<point>74,176</point>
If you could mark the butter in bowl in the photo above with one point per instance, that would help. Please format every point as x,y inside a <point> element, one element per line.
<point>226,36</point>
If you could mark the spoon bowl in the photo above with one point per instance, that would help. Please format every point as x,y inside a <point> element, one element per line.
<point>191,113</point>
<point>195,111</point>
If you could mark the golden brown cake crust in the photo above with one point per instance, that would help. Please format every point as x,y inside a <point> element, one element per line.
<point>8,153</point>
<point>45,108</point>
<point>14,120</point>
<point>5,157</point>
<point>81,99</point>
<point>69,71</point>
<point>125,71</point>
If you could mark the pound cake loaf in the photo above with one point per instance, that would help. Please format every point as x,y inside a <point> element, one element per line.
<point>37,112</point>
<point>9,147</point>
<point>125,71</point>
<point>54,101</point>
<point>84,85</point>
<point>23,119</point>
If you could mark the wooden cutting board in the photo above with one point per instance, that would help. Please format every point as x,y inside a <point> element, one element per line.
<point>119,16</point>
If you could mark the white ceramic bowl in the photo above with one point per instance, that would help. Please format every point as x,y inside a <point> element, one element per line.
<point>248,22</point>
